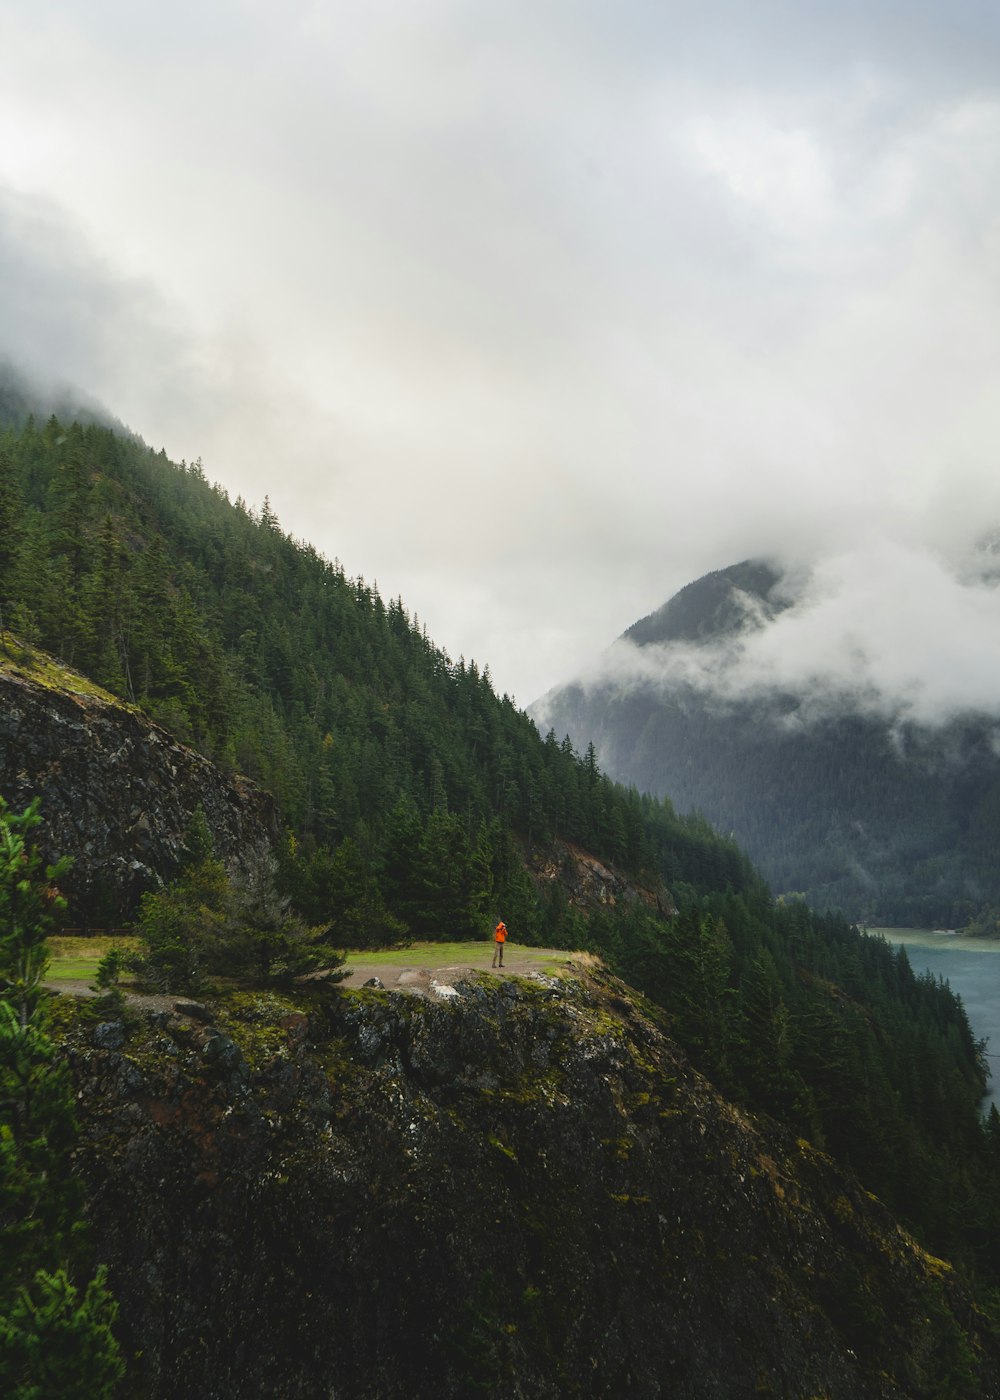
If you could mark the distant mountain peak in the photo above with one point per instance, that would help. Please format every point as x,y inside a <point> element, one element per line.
<point>720,604</point>
<point>854,807</point>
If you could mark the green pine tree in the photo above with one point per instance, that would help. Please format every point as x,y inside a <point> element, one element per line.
<point>56,1334</point>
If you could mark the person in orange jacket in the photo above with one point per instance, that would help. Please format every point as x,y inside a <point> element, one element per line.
<point>499,939</point>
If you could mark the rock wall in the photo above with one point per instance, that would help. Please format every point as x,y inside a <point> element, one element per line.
<point>524,1194</point>
<point>117,792</point>
<point>590,884</point>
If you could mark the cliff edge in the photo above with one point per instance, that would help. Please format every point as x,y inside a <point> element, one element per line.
<point>522,1192</point>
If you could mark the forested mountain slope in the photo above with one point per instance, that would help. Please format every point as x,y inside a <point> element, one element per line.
<point>417,801</point>
<point>267,658</point>
<point>889,822</point>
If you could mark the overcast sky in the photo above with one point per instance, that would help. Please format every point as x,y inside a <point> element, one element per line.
<point>531,310</point>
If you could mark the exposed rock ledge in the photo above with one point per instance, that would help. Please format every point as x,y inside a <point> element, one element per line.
<point>591,884</point>
<point>117,791</point>
<point>524,1194</point>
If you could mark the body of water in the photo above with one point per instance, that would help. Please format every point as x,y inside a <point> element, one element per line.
<point>972,967</point>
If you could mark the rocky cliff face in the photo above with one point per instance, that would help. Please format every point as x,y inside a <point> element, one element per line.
<point>590,884</point>
<point>522,1192</point>
<point>117,791</point>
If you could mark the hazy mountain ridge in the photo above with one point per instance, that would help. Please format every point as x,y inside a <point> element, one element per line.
<point>715,606</point>
<point>22,397</point>
<point>891,820</point>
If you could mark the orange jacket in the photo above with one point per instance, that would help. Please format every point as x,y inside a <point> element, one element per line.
<point>500,935</point>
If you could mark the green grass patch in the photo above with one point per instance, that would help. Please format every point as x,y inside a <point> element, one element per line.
<point>37,665</point>
<point>471,952</point>
<point>76,959</point>
<point>423,954</point>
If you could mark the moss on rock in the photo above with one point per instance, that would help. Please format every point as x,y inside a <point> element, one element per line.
<point>523,1192</point>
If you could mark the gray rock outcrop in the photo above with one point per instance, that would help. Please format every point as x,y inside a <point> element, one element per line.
<point>591,884</point>
<point>118,793</point>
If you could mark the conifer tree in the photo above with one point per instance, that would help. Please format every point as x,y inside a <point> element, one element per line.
<point>55,1328</point>
<point>9,512</point>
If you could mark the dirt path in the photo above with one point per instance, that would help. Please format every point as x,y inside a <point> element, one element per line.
<point>149,1001</point>
<point>401,972</point>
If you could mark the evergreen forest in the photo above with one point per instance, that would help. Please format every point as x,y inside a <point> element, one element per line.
<point>415,799</point>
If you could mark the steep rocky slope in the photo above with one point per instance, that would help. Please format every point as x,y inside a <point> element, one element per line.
<point>117,791</point>
<point>522,1192</point>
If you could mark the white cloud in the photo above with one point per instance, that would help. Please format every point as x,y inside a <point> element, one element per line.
<point>884,628</point>
<point>533,313</point>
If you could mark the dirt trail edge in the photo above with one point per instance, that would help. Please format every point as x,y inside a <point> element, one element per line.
<point>405,973</point>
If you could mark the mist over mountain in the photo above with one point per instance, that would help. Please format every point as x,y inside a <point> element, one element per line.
<point>23,396</point>
<point>841,721</point>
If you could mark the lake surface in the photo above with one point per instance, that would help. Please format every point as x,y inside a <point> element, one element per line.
<point>972,967</point>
